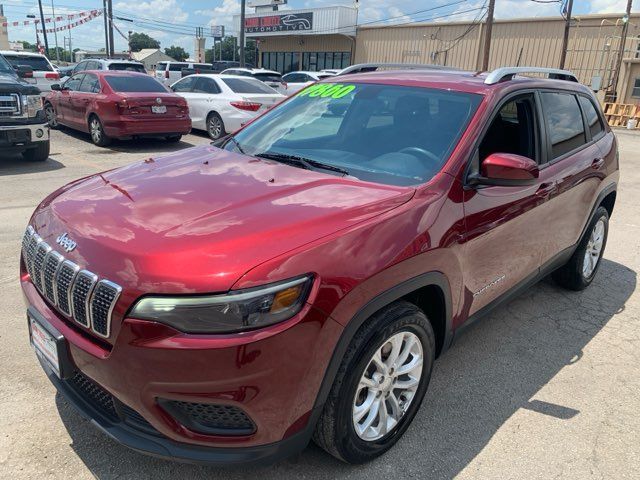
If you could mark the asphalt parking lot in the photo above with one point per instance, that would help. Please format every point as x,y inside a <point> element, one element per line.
<point>545,387</point>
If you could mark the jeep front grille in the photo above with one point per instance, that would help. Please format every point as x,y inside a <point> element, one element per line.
<point>9,105</point>
<point>78,294</point>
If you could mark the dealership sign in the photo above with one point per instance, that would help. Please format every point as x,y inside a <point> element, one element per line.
<point>279,23</point>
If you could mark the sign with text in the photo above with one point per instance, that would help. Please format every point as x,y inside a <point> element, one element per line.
<point>279,23</point>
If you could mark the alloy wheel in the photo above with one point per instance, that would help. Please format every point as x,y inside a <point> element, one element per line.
<point>594,249</point>
<point>52,118</point>
<point>215,127</point>
<point>96,130</point>
<point>387,386</point>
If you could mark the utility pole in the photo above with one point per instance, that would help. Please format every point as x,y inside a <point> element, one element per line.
<point>105,14</point>
<point>111,47</point>
<point>243,7</point>
<point>623,41</point>
<point>44,30</point>
<point>55,32</point>
<point>565,38</point>
<point>487,39</point>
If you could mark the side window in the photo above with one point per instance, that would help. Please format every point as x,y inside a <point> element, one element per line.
<point>81,67</point>
<point>564,122</point>
<point>206,85</point>
<point>593,119</point>
<point>512,130</point>
<point>184,85</point>
<point>90,84</point>
<point>73,83</point>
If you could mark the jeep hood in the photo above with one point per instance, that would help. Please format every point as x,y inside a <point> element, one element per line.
<point>197,220</point>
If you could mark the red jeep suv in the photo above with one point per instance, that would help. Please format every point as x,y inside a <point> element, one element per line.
<point>228,303</point>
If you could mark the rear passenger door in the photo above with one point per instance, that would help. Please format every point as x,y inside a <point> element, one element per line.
<point>572,168</point>
<point>205,98</point>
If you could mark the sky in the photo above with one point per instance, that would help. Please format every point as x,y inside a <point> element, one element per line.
<point>172,21</point>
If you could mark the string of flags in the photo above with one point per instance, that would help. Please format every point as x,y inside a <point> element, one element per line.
<point>85,17</point>
<point>69,26</point>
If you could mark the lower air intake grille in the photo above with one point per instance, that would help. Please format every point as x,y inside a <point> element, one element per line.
<point>210,419</point>
<point>94,394</point>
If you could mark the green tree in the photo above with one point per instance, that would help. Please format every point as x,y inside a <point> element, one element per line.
<point>142,40</point>
<point>178,53</point>
<point>228,45</point>
<point>29,47</point>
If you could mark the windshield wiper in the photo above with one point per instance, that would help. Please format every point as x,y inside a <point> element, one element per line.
<point>306,163</point>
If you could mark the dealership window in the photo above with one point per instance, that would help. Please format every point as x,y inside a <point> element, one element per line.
<point>316,61</point>
<point>283,62</point>
<point>636,88</point>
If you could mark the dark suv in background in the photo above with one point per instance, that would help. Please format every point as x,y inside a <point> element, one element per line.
<point>23,124</point>
<point>229,303</point>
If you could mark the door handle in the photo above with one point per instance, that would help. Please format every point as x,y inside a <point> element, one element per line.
<point>597,163</point>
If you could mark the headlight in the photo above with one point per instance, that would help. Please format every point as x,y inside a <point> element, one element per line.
<point>233,312</point>
<point>32,104</point>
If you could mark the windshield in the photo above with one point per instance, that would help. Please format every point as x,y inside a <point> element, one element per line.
<point>131,67</point>
<point>137,83</point>
<point>248,85</point>
<point>39,64</point>
<point>381,133</point>
<point>4,66</point>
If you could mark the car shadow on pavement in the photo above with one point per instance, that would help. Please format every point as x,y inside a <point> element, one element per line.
<point>134,145</point>
<point>16,165</point>
<point>495,369</point>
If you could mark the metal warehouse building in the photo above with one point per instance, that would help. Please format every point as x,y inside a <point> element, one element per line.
<point>314,39</point>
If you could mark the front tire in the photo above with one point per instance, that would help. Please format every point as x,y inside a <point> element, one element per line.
<point>379,386</point>
<point>98,137</point>
<point>215,126</point>
<point>52,117</point>
<point>578,273</point>
<point>38,154</point>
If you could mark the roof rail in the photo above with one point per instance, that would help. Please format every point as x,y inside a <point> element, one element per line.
<point>372,67</point>
<point>507,73</point>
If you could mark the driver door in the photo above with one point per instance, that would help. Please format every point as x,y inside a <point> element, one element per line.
<point>505,226</point>
<point>64,109</point>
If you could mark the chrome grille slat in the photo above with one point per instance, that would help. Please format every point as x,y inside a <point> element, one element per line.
<point>38,263</point>
<point>105,295</point>
<point>64,282</point>
<point>78,294</point>
<point>51,264</point>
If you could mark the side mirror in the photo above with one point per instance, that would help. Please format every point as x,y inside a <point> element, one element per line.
<point>24,71</point>
<point>56,87</point>
<point>506,170</point>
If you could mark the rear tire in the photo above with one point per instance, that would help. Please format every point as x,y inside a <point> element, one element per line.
<point>98,137</point>
<point>173,138</point>
<point>370,404</point>
<point>215,126</point>
<point>578,273</point>
<point>38,154</point>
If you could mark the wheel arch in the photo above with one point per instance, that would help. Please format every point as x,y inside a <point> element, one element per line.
<point>429,291</point>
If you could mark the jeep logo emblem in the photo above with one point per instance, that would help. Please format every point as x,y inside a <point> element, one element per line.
<point>66,243</point>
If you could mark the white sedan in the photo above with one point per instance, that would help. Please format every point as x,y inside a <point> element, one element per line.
<point>221,104</point>
<point>296,81</point>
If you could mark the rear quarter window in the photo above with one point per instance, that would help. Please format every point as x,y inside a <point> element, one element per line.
<point>594,122</point>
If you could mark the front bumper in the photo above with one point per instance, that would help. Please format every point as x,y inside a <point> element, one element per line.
<point>23,135</point>
<point>273,378</point>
